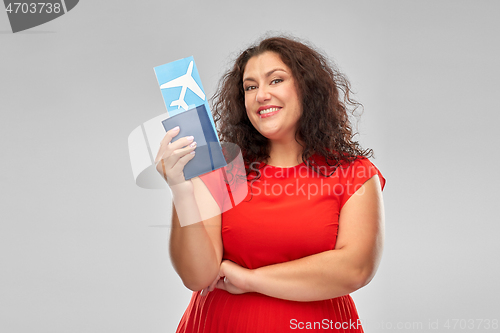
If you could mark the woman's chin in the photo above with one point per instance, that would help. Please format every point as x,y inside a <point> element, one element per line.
<point>271,134</point>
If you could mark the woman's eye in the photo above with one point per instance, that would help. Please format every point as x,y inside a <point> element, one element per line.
<point>276,81</point>
<point>249,88</point>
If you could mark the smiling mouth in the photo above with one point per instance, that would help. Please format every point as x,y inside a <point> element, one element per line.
<point>268,110</point>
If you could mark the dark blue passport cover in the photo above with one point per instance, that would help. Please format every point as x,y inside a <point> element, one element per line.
<point>196,122</point>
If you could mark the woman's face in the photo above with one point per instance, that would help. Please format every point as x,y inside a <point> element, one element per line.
<point>271,98</point>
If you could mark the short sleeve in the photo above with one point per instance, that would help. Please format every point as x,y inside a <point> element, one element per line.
<point>353,176</point>
<point>215,183</point>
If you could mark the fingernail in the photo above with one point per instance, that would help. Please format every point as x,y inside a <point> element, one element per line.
<point>190,138</point>
<point>193,152</point>
<point>176,128</point>
<point>193,144</point>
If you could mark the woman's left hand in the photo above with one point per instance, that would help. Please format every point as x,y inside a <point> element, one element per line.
<point>232,278</point>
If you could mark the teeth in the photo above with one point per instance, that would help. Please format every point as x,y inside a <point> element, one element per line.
<point>268,110</point>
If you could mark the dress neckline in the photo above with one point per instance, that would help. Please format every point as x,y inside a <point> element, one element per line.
<point>281,167</point>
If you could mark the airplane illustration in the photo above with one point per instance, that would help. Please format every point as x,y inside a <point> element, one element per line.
<point>185,81</point>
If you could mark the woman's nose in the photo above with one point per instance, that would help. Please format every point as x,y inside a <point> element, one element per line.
<point>262,94</point>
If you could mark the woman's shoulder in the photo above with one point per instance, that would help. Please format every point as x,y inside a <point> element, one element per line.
<point>354,174</point>
<point>347,168</point>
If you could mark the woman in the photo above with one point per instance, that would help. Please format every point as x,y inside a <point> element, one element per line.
<point>311,228</point>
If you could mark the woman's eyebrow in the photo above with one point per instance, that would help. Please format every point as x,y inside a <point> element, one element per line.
<point>274,70</point>
<point>266,75</point>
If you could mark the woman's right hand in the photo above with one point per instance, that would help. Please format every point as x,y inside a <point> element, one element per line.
<point>173,156</point>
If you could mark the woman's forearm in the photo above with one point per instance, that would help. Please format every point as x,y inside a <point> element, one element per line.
<point>193,250</point>
<point>320,276</point>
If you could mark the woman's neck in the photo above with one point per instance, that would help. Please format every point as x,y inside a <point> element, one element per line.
<point>285,154</point>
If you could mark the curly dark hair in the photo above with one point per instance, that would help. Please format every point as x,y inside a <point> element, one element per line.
<point>324,129</point>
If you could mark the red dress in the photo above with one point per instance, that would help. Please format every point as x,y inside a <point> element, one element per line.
<point>289,213</point>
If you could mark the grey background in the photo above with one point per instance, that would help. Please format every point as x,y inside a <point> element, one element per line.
<point>77,250</point>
